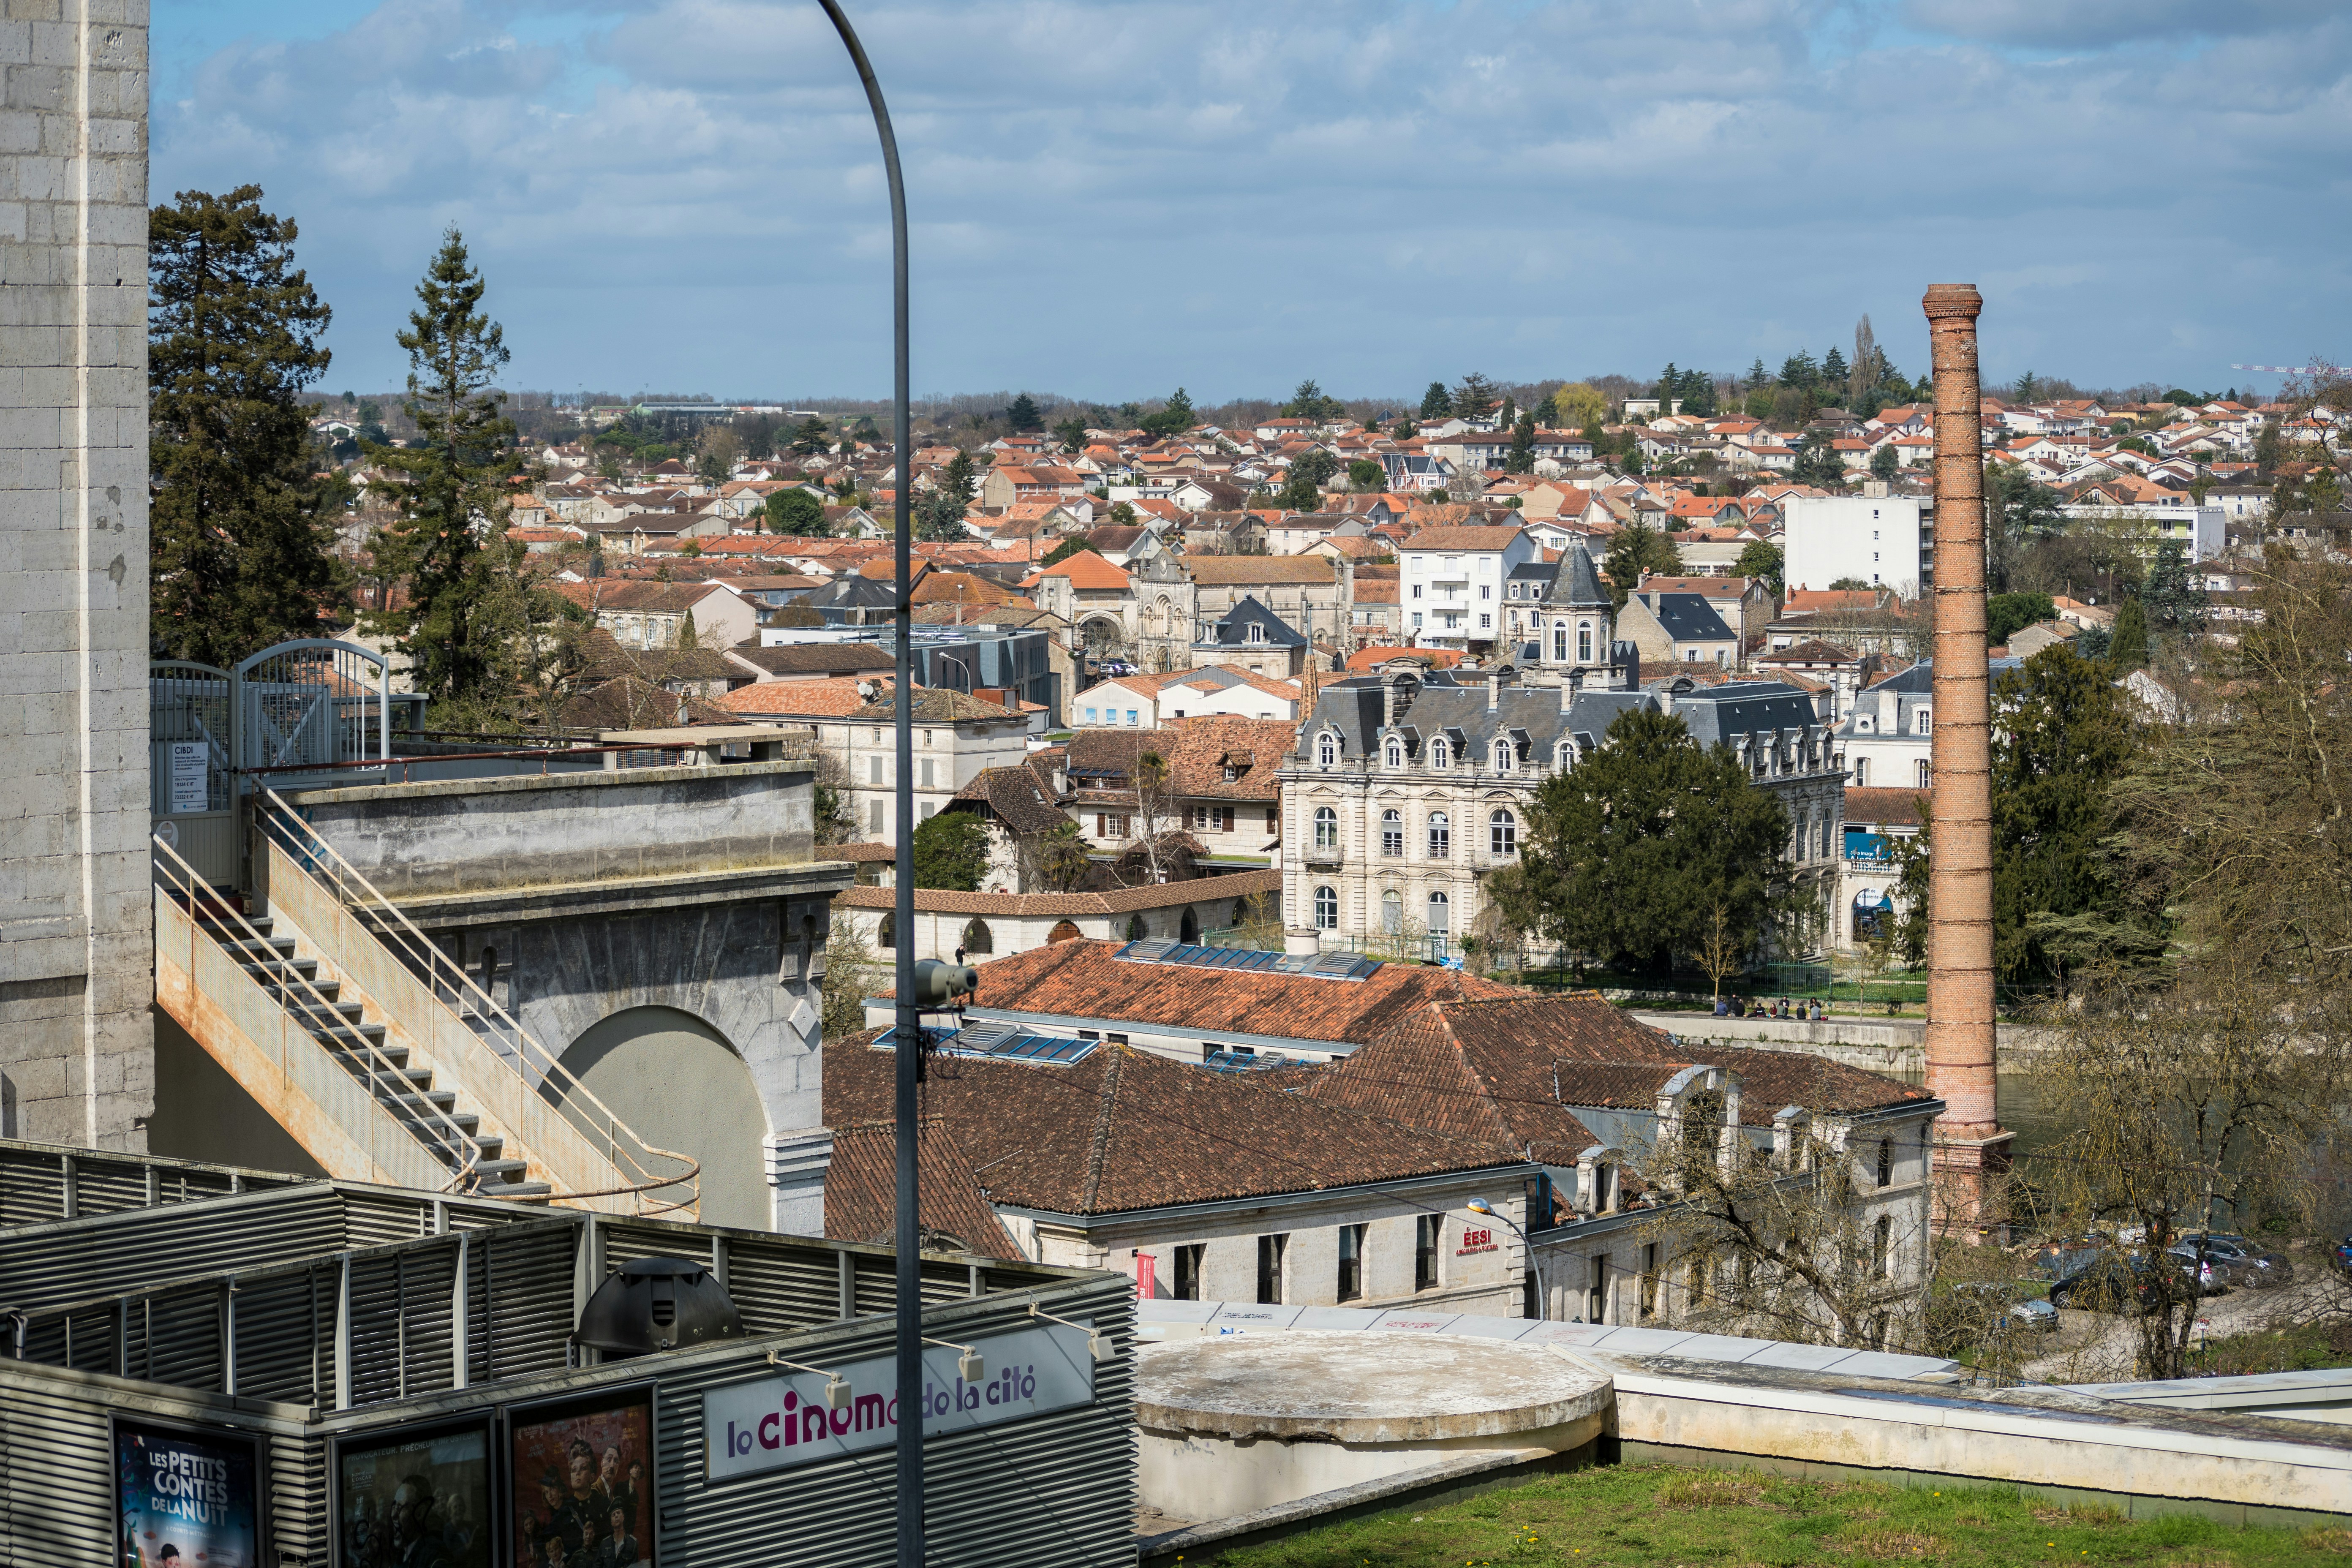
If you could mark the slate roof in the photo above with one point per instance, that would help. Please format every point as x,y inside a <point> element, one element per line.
<point>1233,630</point>
<point>1577,586</point>
<point>1744,708</point>
<point>1120,1130</point>
<point>861,1190</point>
<point>815,659</point>
<point>1354,708</point>
<point>1688,617</point>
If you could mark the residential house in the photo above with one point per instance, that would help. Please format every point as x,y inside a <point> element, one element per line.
<point>641,614</point>
<point>1677,628</point>
<point>1452,581</point>
<point>1877,820</point>
<point>1745,603</point>
<point>1253,638</point>
<point>1838,671</point>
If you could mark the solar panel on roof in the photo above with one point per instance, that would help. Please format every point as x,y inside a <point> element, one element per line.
<point>1192,956</point>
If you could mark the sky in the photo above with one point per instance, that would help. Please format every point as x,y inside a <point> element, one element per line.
<point>1108,200</point>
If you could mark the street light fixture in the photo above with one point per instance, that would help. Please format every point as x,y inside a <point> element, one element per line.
<point>1543,1302</point>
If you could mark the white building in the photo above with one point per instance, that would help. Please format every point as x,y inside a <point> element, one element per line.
<point>1881,540</point>
<point>2203,532</point>
<point>1452,582</point>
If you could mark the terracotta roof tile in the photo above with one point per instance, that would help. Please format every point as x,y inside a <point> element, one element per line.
<point>861,1191</point>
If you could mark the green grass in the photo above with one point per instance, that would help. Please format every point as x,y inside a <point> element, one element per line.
<point>1634,1516</point>
<point>2305,1347</point>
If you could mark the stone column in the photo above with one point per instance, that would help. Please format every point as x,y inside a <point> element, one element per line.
<point>77,918</point>
<point>1970,1151</point>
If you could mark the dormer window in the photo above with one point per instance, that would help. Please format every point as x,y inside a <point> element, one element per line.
<point>1327,750</point>
<point>1563,756</point>
<point>1395,753</point>
<point>1502,756</point>
<point>1441,755</point>
<point>1257,633</point>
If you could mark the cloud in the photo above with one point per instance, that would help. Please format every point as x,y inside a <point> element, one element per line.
<point>1108,199</point>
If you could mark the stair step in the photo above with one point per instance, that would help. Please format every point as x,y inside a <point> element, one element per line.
<point>444,1098</point>
<point>489,1144</point>
<point>527,1191</point>
<point>487,1169</point>
<point>279,947</point>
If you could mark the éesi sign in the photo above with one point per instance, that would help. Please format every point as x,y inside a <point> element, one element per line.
<point>783,1421</point>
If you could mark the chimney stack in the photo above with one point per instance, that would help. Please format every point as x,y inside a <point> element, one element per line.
<point>1971,1149</point>
<point>1494,688</point>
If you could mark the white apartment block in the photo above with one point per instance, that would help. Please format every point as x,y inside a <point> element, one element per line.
<point>1880,541</point>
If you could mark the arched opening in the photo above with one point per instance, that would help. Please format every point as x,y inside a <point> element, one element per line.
<point>1104,635</point>
<point>1063,931</point>
<point>1188,929</point>
<point>1392,912</point>
<point>1326,828</point>
<point>1441,915</point>
<point>1327,909</point>
<point>1503,835</point>
<point>886,934</point>
<point>977,938</point>
<point>679,1085</point>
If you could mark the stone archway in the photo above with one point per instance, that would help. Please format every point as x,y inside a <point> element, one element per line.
<point>681,1085</point>
<point>1103,635</point>
<point>1063,931</point>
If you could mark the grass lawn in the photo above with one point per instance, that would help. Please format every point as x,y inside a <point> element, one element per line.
<point>1663,1517</point>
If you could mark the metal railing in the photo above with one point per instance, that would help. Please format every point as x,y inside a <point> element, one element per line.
<point>435,1128</point>
<point>535,1068</point>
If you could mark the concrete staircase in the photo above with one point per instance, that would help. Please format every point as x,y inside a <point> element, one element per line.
<point>336,1015</point>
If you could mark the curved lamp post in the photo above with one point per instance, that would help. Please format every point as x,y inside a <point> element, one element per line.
<point>1543,1296</point>
<point>908,1231</point>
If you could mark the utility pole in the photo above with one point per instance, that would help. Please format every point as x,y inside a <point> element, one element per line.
<point>907,1044</point>
<point>1972,1148</point>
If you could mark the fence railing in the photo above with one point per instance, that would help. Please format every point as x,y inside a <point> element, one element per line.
<point>645,1169</point>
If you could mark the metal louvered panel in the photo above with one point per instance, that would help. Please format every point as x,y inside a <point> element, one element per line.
<point>877,1283</point>
<point>74,1260</point>
<point>298,1501</point>
<point>32,1185</point>
<point>428,1338</point>
<point>373,1218</point>
<point>283,1325</point>
<point>69,1517</point>
<point>519,1302</point>
<point>777,1285</point>
<point>107,1186</point>
<point>181,1339</point>
<point>376,1346</point>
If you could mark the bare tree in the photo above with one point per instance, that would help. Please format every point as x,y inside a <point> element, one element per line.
<point>1722,948</point>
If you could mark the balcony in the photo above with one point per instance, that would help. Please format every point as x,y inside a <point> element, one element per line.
<point>1323,857</point>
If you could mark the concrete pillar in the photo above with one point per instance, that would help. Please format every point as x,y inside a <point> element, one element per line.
<point>1970,1147</point>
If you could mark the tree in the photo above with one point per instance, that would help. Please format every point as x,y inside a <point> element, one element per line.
<point>1722,953</point>
<point>1309,402</point>
<point>2018,510</point>
<point>1800,372</point>
<point>1367,476</point>
<point>242,530</point>
<point>1476,397</point>
<point>1056,859</point>
<point>717,451</point>
<point>938,518</point>
<point>1122,514</point>
<point>1024,416</point>
<point>810,437</point>
<point>1578,405</point>
<point>448,488</point>
<point>1634,550</point>
<point>2006,614</point>
<point>1818,464</point>
<point>1437,403</point>
<point>1303,490</point>
<point>1865,373</point>
<point>1631,851</point>
<point>959,480</point>
<point>951,852</point>
<point>1848,586</point>
<point>2027,387</point>
<point>852,972</point>
<point>795,513</point>
<point>1070,435</point>
<point>2127,648</point>
<point>1758,377</point>
<point>1076,544</point>
<point>1760,557</point>
<point>1834,371</point>
<point>1521,459</point>
<point>2175,601</point>
<point>1886,463</point>
<point>2063,735</point>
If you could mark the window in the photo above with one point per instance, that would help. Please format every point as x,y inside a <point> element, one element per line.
<point>977,937</point>
<point>1109,826</point>
<point>1485,591</point>
<point>1927,774</point>
<point>1882,1245</point>
<point>1426,1229</point>
<point>1485,621</point>
<point>1090,716</point>
<point>1392,912</point>
<point>928,810</point>
<point>1563,756</point>
<point>1327,750</point>
<point>1270,1249</point>
<point>1440,915</point>
<point>1416,594</point>
<point>1926,721</point>
<point>887,934</point>
<point>873,816</point>
<point>1503,835</point>
<point>1584,642</point>
<point>1503,758</point>
<point>926,773</point>
<point>1441,837</point>
<point>1826,837</point>
<point>1416,616</point>
<point>1596,1290</point>
<point>1273,824</point>
<point>1326,828</point>
<point>1395,754</point>
<point>1392,833</point>
<point>874,770</point>
<point>1887,1161</point>
<point>1327,910</point>
<point>1132,718</point>
<point>1861,772</point>
<point>1187,1271</point>
<point>1649,1281</point>
<point>1441,755</point>
<point>1560,642</point>
<point>1351,1262</point>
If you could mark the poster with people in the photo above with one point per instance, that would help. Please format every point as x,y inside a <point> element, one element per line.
<point>188,1498</point>
<point>583,1485</point>
<point>414,1500</point>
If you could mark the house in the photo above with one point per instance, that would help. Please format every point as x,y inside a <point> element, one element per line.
<point>1290,533</point>
<point>1876,822</point>
<point>1836,668</point>
<point>1677,628</point>
<point>1453,582</point>
<point>2027,641</point>
<point>1310,593</point>
<point>1253,638</point>
<point>1745,603</point>
<point>1145,702</point>
<point>664,614</point>
<point>1097,598</point>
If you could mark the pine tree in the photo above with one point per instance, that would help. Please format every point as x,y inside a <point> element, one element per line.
<point>1799,371</point>
<point>1476,397</point>
<point>2127,649</point>
<point>1758,377</point>
<point>1437,403</point>
<point>1024,416</point>
<point>447,547</point>
<point>1670,386</point>
<point>242,530</point>
<point>1522,458</point>
<point>959,480</point>
<point>1833,373</point>
<point>810,437</point>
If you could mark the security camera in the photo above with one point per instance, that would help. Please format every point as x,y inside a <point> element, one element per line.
<point>937,983</point>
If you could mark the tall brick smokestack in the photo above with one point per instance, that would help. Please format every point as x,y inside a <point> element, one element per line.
<point>1971,1146</point>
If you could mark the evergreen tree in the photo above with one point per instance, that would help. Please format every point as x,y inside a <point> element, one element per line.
<point>1757,379</point>
<point>960,481</point>
<point>2175,599</point>
<point>1670,386</point>
<point>1799,371</point>
<point>1437,403</point>
<point>1522,457</point>
<point>1636,550</point>
<point>1760,557</point>
<point>1024,416</point>
<point>445,547</point>
<point>2127,648</point>
<point>2028,388</point>
<point>1886,463</point>
<point>1070,435</point>
<point>938,518</point>
<point>796,514</point>
<point>810,437</point>
<point>1179,410</point>
<point>1833,373</point>
<point>242,530</point>
<point>951,852</point>
<point>1476,397</point>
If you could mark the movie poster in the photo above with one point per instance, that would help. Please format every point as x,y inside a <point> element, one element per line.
<point>414,1501</point>
<point>188,1499</point>
<point>583,1485</point>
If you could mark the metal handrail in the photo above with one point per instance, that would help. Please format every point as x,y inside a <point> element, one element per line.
<point>392,925</point>
<point>176,877</point>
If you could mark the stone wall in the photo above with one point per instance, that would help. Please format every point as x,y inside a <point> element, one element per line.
<point>76,912</point>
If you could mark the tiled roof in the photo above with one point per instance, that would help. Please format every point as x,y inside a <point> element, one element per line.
<point>835,696</point>
<point>1885,808</point>
<point>1086,571</point>
<point>1814,650</point>
<point>1017,797</point>
<point>1462,538</point>
<point>816,658</point>
<point>933,705</point>
<point>1237,571</point>
<point>1121,1130</point>
<point>629,703</point>
<point>861,1190</point>
<point>1197,752</point>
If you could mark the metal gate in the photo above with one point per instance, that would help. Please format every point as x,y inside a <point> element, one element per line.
<point>192,752</point>
<point>311,706</point>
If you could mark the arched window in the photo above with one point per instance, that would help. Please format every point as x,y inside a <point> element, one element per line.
<point>1327,750</point>
<point>1805,836</point>
<point>1503,758</point>
<point>1441,837</point>
<point>1392,833</point>
<point>1326,828</point>
<point>1560,642</point>
<point>1327,910</point>
<point>887,934</point>
<point>1503,835</point>
<point>1392,912</point>
<point>1440,915</point>
<point>1441,755</point>
<point>1063,931</point>
<point>1563,756</point>
<point>977,937</point>
<point>1584,642</point>
<point>1395,753</point>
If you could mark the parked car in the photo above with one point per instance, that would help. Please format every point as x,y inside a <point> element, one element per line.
<point>2108,1283</point>
<point>2341,1256</point>
<point>2212,1272</point>
<point>2249,1264</point>
<point>2008,1306</point>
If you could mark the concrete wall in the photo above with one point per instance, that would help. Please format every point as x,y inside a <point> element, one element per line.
<point>202,1113</point>
<point>685,1089</point>
<point>76,930</point>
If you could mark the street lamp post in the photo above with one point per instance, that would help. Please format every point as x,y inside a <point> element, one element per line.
<point>1543,1296</point>
<point>907,1041</point>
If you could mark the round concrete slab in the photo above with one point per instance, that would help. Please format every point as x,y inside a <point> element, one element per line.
<point>1359,1388</point>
